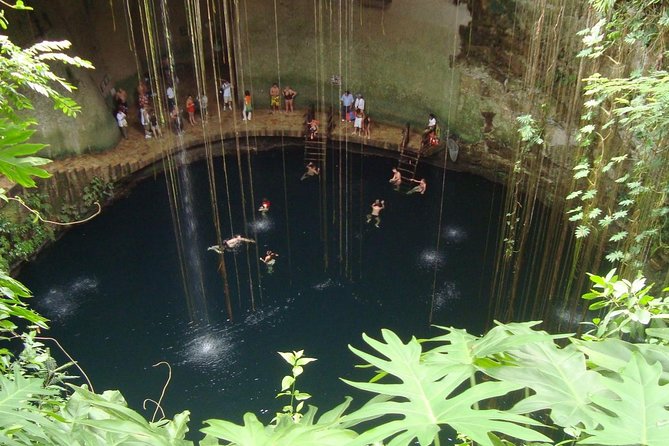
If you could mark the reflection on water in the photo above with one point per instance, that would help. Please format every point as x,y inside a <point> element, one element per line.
<point>61,303</point>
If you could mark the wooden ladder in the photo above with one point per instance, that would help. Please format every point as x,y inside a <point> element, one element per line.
<point>408,162</point>
<point>314,150</point>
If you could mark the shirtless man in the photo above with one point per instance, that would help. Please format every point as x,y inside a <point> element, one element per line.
<point>312,170</point>
<point>230,244</point>
<point>377,207</point>
<point>274,98</point>
<point>420,188</point>
<point>396,179</point>
<point>270,260</point>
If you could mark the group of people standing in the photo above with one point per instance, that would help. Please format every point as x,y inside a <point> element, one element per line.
<point>275,94</point>
<point>146,113</point>
<point>353,109</point>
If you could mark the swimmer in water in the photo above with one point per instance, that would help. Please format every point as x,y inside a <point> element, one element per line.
<point>377,207</point>
<point>312,170</point>
<point>270,260</point>
<point>264,207</point>
<point>396,179</point>
<point>230,244</point>
<point>420,188</point>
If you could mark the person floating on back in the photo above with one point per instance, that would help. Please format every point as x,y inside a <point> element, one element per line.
<point>312,170</point>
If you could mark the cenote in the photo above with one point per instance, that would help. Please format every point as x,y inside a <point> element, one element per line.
<point>113,287</point>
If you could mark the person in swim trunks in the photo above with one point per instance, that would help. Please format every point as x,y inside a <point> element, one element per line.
<point>274,98</point>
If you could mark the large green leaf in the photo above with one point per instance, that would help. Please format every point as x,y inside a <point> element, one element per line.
<point>614,354</point>
<point>287,432</point>
<point>21,422</point>
<point>460,350</point>
<point>561,383</point>
<point>429,396</point>
<point>107,419</point>
<point>636,411</point>
<point>15,160</point>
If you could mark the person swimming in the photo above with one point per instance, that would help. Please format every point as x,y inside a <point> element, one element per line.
<point>270,260</point>
<point>420,188</point>
<point>396,179</point>
<point>312,170</point>
<point>375,215</point>
<point>230,244</point>
<point>264,207</point>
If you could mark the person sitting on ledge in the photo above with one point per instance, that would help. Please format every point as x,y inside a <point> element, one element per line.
<point>230,244</point>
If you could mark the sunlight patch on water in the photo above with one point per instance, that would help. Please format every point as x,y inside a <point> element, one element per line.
<point>61,303</point>
<point>430,259</point>
<point>326,284</point>
<point>446,293</point>
<point>261,225</point>
<point>208,347</point>
<point>453,234</point>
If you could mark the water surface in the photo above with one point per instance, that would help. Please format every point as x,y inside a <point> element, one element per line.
<point>113,289</point>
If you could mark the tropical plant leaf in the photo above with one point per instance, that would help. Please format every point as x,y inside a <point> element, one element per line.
<point>560,380</point>
<point>106,417</point>
<point>286,432</point>
<point>15,160</point>
<point>428,396</point>
<point>19,414</point>
<point>614,354</point>
<point>636,410</point>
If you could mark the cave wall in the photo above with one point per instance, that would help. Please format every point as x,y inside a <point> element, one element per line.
<point>408,58</point>
<point>97,33</point>
<point>399,54</point>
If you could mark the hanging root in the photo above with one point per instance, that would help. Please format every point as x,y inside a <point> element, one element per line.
<point>162,394</point>
<point>57,223</point>
<point>157,407</point>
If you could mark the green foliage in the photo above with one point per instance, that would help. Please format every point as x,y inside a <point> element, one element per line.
<point>427,395</point>
<point>16,160</point>
<point>609,392</point>
<point>635,406</point>
<point>624,131</point>
<point>22,236</point>
<point>631,312</point>
<point>290,427</point>
<point>297,361</point>
<point>28,69</point>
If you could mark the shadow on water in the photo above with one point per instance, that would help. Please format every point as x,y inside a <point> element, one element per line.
<point>114,293</point>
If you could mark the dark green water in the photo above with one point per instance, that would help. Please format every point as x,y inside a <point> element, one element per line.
<point>114,293</point>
